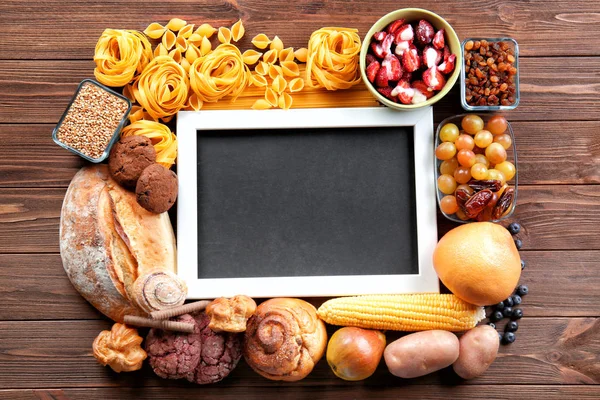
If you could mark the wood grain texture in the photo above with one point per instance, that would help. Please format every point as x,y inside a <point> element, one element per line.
<point>73,28</point>
<point>39,92</point>
<point>572,275</point>
<point>357,390</point>
<point>540,148</point>
<point>58,354</point>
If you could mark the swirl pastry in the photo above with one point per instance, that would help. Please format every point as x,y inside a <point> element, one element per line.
<point>284,339</point>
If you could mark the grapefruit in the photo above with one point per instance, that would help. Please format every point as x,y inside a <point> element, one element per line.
<point>478,262</point>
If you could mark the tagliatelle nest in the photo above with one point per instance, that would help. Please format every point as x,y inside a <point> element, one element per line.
<point>120,348</point>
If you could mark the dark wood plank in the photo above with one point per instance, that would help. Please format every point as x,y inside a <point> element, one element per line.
<point>28,281</point>
<point>58,354</point>
<point>553,217</point>
<point>35,92</point>
<point>548,153</point>
<point>542,27</point>
<point>351,390</point>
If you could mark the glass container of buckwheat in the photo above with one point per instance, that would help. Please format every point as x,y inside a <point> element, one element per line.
<point>92,122</point>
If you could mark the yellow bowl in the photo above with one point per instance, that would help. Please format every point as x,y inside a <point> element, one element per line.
<point>412,15</point>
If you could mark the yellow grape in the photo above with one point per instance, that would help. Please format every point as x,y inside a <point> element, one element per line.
<point>462,174</point>
<point>482,159</point>
<point>507,168</point>
<point>483,138</point>
<point>495,153</point>
<point>496,175</point>
<point>446,184</point>
<point>472,123</point>
<point>464,141</point>
<point>497,124</point>
<point>448,166</point>
<point>479,171</point>
<point>448,204</point>
<point>504,139</point>
<point>466,158</point>
<point>445,151</point>
<point>449,133</point>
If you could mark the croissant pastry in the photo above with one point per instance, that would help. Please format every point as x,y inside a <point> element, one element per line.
<point>284,339</point>
<point>119,348</point>
<point>230,315</point>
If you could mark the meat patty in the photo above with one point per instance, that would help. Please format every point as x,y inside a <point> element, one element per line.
<point>174,355</point>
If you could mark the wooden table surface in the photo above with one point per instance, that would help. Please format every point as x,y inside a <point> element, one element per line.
<point>46,328</point>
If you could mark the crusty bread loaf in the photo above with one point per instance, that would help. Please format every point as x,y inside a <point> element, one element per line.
<point>113,250</point>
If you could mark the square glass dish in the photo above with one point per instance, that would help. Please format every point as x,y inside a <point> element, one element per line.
<point>500,70</point>
<point>511,156</point>
<point>92,122</point>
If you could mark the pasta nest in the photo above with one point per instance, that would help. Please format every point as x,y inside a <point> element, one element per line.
<point>162,88</point>
<point>220,73</point>
<point>333,58</point>
<point>163,140</point>
<point>120,55</point>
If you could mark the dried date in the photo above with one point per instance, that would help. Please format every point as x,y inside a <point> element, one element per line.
<point>491,184</point>
<point>477,203</point>
<point>504,203</point>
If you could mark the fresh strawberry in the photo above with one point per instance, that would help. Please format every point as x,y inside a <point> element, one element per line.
<point>410,59</point>
<point>381,79</point>
<point>418,97</point>
<point>372,71</point>
<point>404,92</point>
<point>423,88</point>
<point>387,44</point>
<point>392,65</point>
<point>448,66</point>
<point>446,53</point>
<point>370,59</point>
<point>438,39</point>
<point>434,78</point>
<point>401,47</point>
<point>377,50</point>
<point>431,56</point>
<point>393,27</point>
<point>407,76</point>
<point>404,34</point>
<point>387,92</point>
<point>424,32</point>
<point>379,36</point>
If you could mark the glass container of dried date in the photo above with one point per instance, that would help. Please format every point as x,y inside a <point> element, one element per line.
<point>92,122</point>
<point>489,78</point>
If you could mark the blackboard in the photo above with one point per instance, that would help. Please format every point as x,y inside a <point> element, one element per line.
<point>306,202</point>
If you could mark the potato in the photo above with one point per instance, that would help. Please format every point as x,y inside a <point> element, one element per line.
<point>478,350</point>
<point>421,353</point>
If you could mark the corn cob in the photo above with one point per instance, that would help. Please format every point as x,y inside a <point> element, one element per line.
<point>402,312</point>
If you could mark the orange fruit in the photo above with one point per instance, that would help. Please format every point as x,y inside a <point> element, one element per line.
<point>478,262</point>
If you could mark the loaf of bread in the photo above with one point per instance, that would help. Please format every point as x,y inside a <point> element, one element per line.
<point>120,257</point>
<point>284,339</point>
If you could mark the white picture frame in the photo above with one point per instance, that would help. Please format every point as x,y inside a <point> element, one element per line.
<point>188,125</point>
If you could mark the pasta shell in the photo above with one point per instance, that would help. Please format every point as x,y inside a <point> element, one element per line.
<point>251,56</point>
<point>238,30</point>
<point>301,54</point>
<point>168,40</point>
<point>224,35</point>
<point>286,54</point>
<point>261,104</point>
<point>270,56</point>
<point>160,50</point>
<point>194,103</point>
<point>206,30</point>
<point>205,46</point>
<point>276,44</point>
<point>290,68</point>
<point>296,85</point>
<point>279,84</point>
<point>181,44</point>
<point>261,41</point>
<point>258,80</point>
<point>176,24</point>
<point>154,30</point>
<point>175,54</point>
<point>275,71</point>
<point>262,68</point>
<point>185,64</point>
<point>195,39</point>
<point>192,53</point>
<point>285,101</point>
<point>271,97</point>
<point>186,31</point>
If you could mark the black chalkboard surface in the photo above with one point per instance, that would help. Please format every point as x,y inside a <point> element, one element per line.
<point>306,202</point>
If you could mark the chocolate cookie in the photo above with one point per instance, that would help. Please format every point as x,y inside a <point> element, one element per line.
<point>219,355</point>
<point>129,157</point>
<point>156,189</point>
<point>174,355</point>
